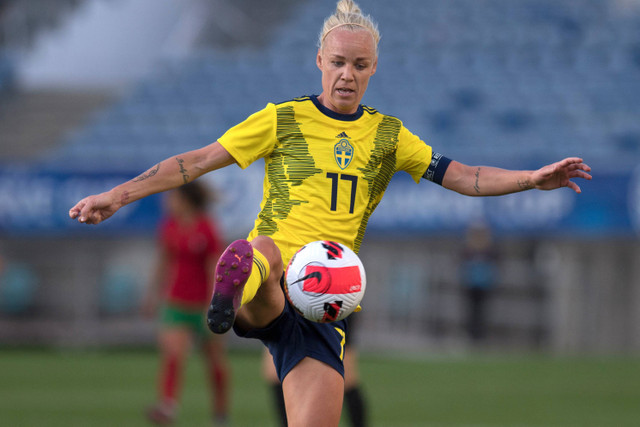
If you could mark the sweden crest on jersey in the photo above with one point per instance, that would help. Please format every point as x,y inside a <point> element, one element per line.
<point>343,152</point>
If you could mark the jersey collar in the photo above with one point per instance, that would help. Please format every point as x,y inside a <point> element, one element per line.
<point>338,116</point>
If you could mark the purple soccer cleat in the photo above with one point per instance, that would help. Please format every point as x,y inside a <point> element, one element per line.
<point>232,272</point>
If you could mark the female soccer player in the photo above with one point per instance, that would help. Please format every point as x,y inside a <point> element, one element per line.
<point>328,161</point>
<point>189,245</point>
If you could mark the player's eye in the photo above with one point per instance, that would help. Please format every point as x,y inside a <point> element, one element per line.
<point>338,63</point>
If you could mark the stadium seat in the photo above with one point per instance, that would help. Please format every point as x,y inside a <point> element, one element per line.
<point>444,68</point>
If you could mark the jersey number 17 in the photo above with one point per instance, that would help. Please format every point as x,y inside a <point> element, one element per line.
<point>335,177</point>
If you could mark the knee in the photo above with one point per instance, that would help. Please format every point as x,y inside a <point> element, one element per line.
<point>174,345</point>
<point>268,248</point>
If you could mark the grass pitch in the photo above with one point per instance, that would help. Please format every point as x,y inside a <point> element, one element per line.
<point>97,388</point>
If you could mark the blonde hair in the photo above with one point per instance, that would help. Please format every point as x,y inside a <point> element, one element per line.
<point>349,16</point>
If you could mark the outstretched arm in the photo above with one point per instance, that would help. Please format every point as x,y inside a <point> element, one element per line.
<point>489,181</point>
<point>168,174</point>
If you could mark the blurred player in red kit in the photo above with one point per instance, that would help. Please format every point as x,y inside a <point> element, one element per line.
<point>189,245</point>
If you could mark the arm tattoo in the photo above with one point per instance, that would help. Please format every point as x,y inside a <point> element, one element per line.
<point>524,185</point>
<point>183,171</point>
<point>124,199</point>
<point>476,186</point>
<point>151,172</point>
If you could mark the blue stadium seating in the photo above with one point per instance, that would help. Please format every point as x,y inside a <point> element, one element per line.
<point>528,79</point>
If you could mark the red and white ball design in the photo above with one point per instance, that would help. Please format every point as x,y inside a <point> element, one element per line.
<point>325,281</point>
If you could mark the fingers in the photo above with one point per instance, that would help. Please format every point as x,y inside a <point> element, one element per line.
<point>75,211</point>
<point>579,174</point>
<point>574,163</point>
<point>82,211</point>
<point>572,185</point>
<point>87,213</point>
<point>570,160</point>
<point>87,219</point>
<point>91,218</point>
<point>578,166</point>
<point>576,169</point>
<point>569,168</point>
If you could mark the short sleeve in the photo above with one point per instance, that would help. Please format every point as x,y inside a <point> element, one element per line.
<point>413,155</point>
<point>253,138</point>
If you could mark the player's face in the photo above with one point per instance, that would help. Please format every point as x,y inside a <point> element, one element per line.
<point>173,203</point>
<point>176,204</point>
<point>347,61</point>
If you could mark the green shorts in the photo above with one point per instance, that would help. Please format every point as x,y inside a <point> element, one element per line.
<point>194,320</point>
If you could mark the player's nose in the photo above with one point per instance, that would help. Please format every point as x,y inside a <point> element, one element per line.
<point>347,73</point>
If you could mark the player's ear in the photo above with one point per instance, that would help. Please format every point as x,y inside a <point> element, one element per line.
<point>319,59</point>
<point>375,66</point>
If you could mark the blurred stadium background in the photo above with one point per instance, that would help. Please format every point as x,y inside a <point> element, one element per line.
<point>92,92</point>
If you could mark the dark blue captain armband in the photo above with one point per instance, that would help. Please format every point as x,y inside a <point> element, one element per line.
<point>437,168</point>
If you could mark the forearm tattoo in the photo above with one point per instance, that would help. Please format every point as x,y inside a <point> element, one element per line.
<point>124,198</point>
<point>525,184</point>
<point>476,186</point>
<point>148,174</point>
<point>183,170</point>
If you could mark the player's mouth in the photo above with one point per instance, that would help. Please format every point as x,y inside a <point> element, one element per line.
<point>343,91</point>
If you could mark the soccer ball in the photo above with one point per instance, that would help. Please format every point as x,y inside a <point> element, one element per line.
<point>325,281</point>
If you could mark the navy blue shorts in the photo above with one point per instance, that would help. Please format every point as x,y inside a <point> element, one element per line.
<point>290,338</point>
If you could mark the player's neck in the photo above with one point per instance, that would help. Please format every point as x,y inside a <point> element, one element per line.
<point>187,217</point>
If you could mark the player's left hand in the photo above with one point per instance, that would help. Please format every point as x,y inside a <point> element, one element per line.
<point>559,174</point>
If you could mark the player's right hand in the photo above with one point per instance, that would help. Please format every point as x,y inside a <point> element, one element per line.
<point>94,209</point>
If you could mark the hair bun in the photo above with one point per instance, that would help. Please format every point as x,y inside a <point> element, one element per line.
<point>348,6</point>
<point>348,15</point>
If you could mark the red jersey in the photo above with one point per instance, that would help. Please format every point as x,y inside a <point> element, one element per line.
<point>189,247</point>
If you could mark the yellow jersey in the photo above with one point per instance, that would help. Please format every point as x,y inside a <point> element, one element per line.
<point>325,172</point>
